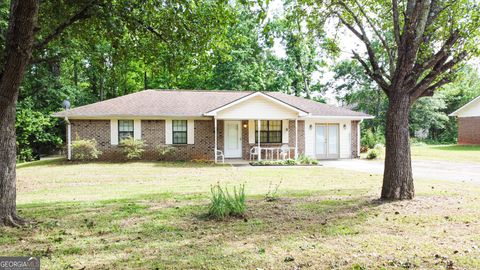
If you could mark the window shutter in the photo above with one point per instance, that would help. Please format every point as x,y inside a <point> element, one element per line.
<point>137,129</point>
<point>191,131</point>
<point>168,131</point>
<point>114,132</point>
<point>285,128</point>
<point>251,131</point>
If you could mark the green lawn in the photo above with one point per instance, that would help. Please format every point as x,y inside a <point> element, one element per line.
<point>451,152</point>
<point>152,215</point>
<point>460,153</point>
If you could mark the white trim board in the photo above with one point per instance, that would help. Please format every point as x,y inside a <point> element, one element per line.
<point>256,94</point>
<point>465,107</point>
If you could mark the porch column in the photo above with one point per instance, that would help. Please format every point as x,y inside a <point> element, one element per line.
<point>215,124</point>
<point>296,138</point>
<point>258,137</point>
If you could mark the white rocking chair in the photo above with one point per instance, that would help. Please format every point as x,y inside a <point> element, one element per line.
<point>285,151</point>
<point>220,154</point>
<point>254,151</point>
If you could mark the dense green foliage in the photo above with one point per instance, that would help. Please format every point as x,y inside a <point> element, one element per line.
<point>83,150</point>
<point>113,48</point>
<point>132,148</point>
<point>429,116</point>
<point>117,48</point>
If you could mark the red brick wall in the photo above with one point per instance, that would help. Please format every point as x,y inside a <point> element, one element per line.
<point>153,134</point>
<point>100,131</point>
<point>469,130</point>
<point>354,143</point>
<point>204,143</point>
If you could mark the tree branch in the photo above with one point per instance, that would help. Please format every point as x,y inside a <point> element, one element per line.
<point>80,15</point>
<point>380,37</point>
<point>396,23</point>
<point>363,37</point>
<point>441,67</point>
<point>443,52</point>
<point>376,77</point>
<point>147,27</point>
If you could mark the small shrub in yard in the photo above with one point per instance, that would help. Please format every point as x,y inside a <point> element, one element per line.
<point>380,148</point>
<point>132,149</point>
<point>164,152</point>
<point>272,194</point>
<point>223,204</point>
<point>372,154</point>
<point>85,150</point>
<point>370,138</point>
<point>306,160</point>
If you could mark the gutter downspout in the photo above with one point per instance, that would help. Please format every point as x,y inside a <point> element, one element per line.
<point>69,139</point>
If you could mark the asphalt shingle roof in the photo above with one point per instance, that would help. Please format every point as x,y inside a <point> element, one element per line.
<point>154,103</point>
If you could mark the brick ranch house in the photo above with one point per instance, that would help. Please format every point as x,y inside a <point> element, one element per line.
<point>213,124</point>
<point>469,122</point>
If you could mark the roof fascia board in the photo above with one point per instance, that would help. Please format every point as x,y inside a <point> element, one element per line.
<point>338,117</point>
<point>252,95</point>
<point>127,117</point>
<point>455,113</point>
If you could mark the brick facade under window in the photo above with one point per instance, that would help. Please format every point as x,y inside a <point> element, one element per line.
<point>469,130</point>
<point>100,131</point>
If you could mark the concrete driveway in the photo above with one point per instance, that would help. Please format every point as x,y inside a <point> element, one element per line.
<point>422,169</point>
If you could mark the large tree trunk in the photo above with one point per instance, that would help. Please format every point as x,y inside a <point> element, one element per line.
<point>397,177</point>
<point>18,50</point>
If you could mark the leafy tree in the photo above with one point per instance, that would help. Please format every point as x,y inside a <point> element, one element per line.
<point>412,48</point>
<point>184,34</point>
<point>353,88</point>
<point>428,115</point>
<point>301,46</point>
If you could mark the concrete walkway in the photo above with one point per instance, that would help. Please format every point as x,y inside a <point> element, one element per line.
<point>423,169</point>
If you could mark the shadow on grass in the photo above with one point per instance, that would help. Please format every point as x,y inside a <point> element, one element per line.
<point>61,161</point>
<point>50,161</point>
<point>459,148</point>
<point>177,225</point>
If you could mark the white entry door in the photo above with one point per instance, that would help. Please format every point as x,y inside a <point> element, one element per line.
<point>233,139</point>
<point>326,141</point>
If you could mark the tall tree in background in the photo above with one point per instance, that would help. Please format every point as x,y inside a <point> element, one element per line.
<point>301,48</point>
<point>422,42</point>
<point>176,29</point>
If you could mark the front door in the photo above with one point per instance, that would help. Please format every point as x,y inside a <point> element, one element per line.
<point>233,139</point>
<point>326,141</point>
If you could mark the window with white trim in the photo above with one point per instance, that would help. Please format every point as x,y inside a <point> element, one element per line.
<point>125,129</point>
<point>179,131</point>
<point>270,131</point>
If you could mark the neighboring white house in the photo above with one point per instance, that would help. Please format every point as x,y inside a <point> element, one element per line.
<point>469,122</point>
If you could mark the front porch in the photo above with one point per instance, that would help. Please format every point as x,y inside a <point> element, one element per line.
<point>240,139</point>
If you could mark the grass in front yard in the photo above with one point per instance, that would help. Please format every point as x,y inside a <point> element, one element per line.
<point>153,215</point>
<point>453,152</point>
